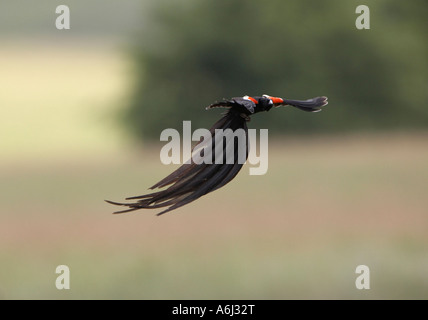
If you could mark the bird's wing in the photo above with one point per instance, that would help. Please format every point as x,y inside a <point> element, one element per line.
<point>310,105</point>
<point>246,103</point>
<point>221,104</point>
<point>237,102</point>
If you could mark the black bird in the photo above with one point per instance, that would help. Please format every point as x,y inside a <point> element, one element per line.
<point>191,181</point>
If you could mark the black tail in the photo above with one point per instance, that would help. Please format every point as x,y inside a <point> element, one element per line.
<point>310,105</point>
<point>191,181</point>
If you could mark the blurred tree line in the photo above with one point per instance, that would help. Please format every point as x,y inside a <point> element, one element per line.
<point>194,52</point>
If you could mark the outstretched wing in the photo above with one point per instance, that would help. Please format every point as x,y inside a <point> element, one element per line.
<point>310,105</point>
<point>191,181</point>
<point>237,103</point>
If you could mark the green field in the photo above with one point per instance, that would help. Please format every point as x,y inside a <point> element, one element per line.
<point>326,205</point>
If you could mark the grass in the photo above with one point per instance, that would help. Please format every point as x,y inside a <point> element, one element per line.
<point>297,232</point>
<point>325,206</point>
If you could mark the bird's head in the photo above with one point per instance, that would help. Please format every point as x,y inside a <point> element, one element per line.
<point>266,102</point>
<point>273,101</point>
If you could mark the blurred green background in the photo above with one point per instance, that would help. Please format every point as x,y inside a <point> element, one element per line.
<point>82,110</point>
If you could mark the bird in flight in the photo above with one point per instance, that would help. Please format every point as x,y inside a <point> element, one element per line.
<point>193,180</point>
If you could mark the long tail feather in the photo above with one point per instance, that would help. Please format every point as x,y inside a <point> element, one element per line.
<point>191,181</point>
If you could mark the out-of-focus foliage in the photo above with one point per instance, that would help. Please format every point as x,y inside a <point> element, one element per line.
<point>193,52</point>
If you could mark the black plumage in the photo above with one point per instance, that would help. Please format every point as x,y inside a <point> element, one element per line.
<point>191,181</point>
